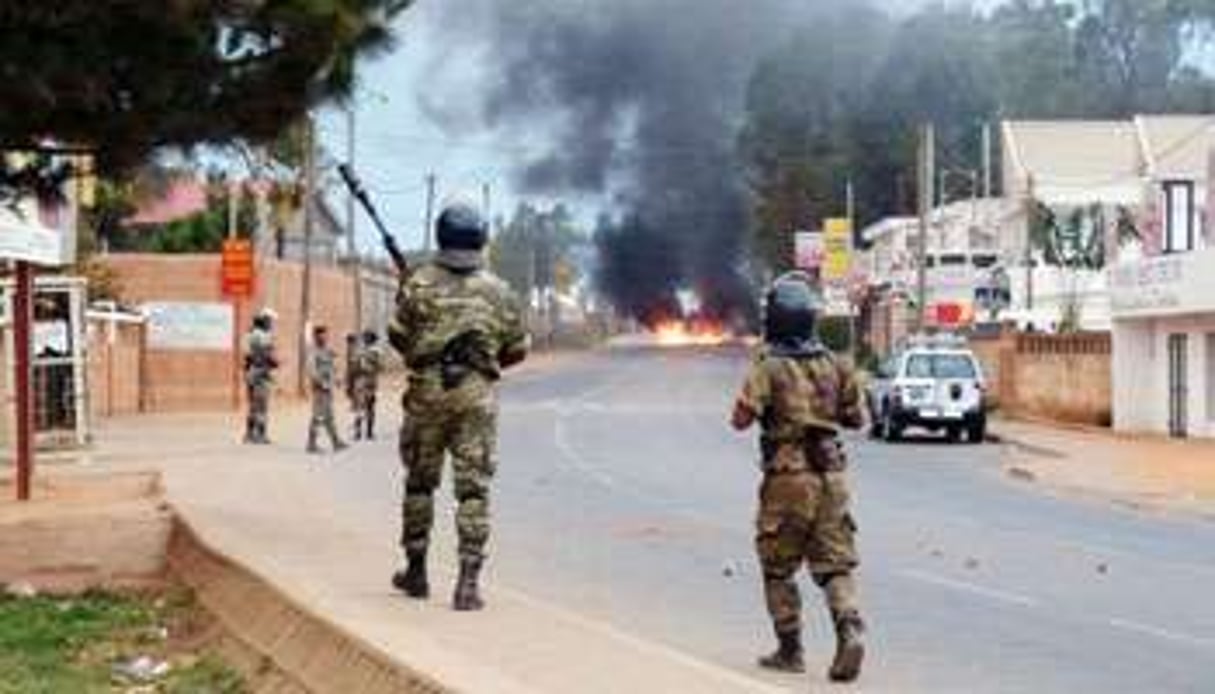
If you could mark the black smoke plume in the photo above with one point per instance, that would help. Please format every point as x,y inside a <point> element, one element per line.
<point>636,101</point>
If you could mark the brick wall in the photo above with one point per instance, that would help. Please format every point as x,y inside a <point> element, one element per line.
<point>116,367</point>
<point>176,379</point>
<point>1065,378</point>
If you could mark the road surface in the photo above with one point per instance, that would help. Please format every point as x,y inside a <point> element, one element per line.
<point>623,496</point>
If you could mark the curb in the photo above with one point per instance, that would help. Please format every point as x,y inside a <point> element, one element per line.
<point>293,649</point>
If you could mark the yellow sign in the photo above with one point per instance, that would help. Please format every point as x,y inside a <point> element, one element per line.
<point>837,249</point>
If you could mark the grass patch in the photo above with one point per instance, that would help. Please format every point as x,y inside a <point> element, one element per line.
<point>51,645</point>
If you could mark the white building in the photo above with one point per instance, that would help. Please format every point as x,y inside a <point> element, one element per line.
<point>1163,289</point>
<point>968,242</point>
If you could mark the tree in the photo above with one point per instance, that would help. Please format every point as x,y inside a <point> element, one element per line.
<point>535,248</point>
<point>121,79</point>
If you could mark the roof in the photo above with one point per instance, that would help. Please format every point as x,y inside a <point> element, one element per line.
<point>1075,161</point>
<point>885,227</point>
<point>1176,146</point>
<point>185,197</point>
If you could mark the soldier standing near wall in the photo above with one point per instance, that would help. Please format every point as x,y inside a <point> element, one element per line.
<point>802,396</point>
<point>350,381</point>
<point>368,365</point>
<point>322,375</point>
<point>260,365</point>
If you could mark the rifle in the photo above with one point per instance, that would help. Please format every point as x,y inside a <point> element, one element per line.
<point>390,243</point>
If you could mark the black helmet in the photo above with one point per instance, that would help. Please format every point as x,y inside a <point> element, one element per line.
<point>461,228</point>
<point>791,313</point>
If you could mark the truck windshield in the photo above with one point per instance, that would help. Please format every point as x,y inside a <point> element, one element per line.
<point>940,366</point>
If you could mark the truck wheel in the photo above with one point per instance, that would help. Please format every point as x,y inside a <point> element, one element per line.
<point>892,432</point>
<point>977,432</point>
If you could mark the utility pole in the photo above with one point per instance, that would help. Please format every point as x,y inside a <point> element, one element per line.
<point>430,212</point>
<point>850,213</point>
<point>356,263</point>
<point>1031,216</point>
<point>987,182</point>
<point>485,211</point>
<point>927,175</point>
<point>309,222</point>
<point>233,203</point>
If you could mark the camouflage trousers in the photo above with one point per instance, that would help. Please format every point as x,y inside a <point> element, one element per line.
<point>363,405</point>
<point>257,419</point>
<point>804,520</point>
<point>431,432</point>
<point>322,419</point>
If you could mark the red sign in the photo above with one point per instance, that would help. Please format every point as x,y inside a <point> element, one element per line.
<point>237,269</point>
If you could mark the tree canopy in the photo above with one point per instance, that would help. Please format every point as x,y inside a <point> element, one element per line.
<point>121,79</point>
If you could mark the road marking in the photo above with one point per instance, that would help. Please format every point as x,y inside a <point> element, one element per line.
<point>1162,633</point>
<point>969,588</point>
<point>566,449</point>
<point>642,645</point>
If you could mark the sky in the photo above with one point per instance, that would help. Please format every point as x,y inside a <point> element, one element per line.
<point>399,141</point>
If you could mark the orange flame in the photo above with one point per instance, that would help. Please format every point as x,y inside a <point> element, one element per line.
<point>690,334</point>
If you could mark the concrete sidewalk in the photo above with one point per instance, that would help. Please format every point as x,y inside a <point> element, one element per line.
<point>1151,473</point>
<point>268,509</point>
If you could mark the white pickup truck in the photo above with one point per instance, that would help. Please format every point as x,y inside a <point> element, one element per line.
<point>934,384</point>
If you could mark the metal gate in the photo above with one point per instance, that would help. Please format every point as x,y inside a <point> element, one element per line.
<point>1179,391</point>
<point>58,360</point>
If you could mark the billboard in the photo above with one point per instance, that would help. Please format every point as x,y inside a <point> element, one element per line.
<point>837,249</point>
<point>808,250</point>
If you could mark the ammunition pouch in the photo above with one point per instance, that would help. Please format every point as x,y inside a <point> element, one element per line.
<point>464,355</point>
<point>822,451</point>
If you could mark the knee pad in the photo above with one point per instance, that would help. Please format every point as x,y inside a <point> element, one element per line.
<point>416,488</point>
<point>824,579</point>
<point>466,493</point>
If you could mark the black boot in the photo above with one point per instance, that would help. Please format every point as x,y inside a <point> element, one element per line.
<point>468,597</point>
<point>849,648</point>
<point>788,657</point>
<point>413,580</point>
<point>250,431</point>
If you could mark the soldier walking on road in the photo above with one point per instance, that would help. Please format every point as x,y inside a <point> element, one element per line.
<point>802,396</point>
<point>260,365</point>
<point>322,375</point>
<point>367,365</point>
<point>457,327</point>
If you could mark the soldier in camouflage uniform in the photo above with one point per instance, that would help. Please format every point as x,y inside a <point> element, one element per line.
<point>365,384</point>
<point>353,347</point>
<point>322,375</point>
<point>457,327</point>
<point>802,396</point>
<point>260,365</point>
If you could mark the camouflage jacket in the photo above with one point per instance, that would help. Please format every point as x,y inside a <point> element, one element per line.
<point>260,360</point>
<point>368,363</point>
<point>800,401</point>
<point>436,305</point>
<point>322,369</point>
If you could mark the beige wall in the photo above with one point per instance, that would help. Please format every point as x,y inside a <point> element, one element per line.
<point>200,379</point>
<point>116,367</point>
<point>1064,378</point>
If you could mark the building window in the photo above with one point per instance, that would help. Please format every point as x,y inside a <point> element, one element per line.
<point>1179,218</point>
<point>1211,377</point>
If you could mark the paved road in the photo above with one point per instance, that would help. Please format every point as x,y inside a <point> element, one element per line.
<point>622,495</point>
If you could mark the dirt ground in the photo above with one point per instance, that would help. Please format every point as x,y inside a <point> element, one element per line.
<point>1145,472</point>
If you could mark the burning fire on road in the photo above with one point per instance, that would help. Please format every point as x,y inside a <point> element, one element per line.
<point>691,334</point>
